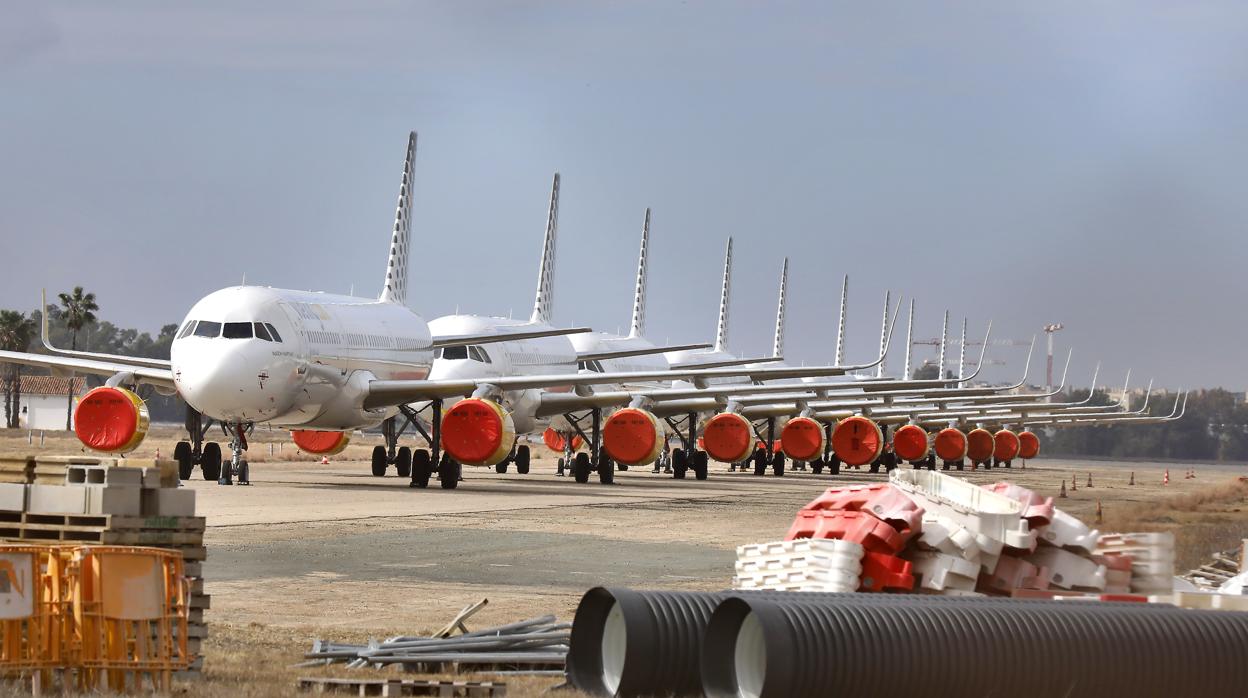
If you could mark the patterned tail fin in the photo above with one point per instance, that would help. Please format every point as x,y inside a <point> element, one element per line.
<point>721,329</point>
<point>395,288</point>
<point>542,306</point>
<point>638,325</point>
<point>777,346</point>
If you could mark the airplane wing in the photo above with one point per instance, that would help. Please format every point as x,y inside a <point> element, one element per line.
<point>126,360</point>
<point>730,362</point>
<point>503,336</point>
<point>642,351</point>
<point>161,377</point>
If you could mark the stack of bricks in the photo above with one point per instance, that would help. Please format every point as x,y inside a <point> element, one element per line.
<point>108,501</point>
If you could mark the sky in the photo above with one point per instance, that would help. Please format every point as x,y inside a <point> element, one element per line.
<point>1023,162</point>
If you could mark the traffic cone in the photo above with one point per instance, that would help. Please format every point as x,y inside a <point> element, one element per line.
<point>1099,513</point>
<point>1074,483</point>
<point>1089,480</point>
<point>324,460</point>
<point>158,454</point>
<point>1165,480</point>
<point>1132,482</point>
<point>1062,494</point>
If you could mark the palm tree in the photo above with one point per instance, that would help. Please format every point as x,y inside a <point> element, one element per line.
<point>79,312</point>
<point>16,331</point>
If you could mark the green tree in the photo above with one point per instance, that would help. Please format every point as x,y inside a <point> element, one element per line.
<point>16,331</point>
<point>78,312</point>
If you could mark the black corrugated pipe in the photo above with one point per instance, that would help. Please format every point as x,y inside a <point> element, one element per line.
<point>758,648</point>
<point>648,643</point>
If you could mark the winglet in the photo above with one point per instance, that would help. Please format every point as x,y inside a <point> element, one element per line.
<point>721,329</point>
<point>542,305</point>
<point>395,288</point>
<point>44,333</point>
<point>638,325</point>
<point>777,346</point>
<point>884,332</point>
<point>840,325</point>
<point>905,372</point>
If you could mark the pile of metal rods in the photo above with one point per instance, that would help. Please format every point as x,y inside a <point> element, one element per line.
<point>538,645</point>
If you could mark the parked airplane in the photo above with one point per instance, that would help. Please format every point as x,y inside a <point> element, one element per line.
<point>324,365</point>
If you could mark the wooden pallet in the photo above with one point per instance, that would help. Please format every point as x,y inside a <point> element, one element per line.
<point>405,687</point>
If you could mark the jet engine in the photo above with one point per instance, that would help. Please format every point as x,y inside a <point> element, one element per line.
<point>555,441</point>
<point>950,444</point>
<point>1028,445</point>
<point>728,437</point>
<point>633,436</point>
<point>321,443</point>
<point>109,419</point>
<point>1006,445</point>
<point>979,445</point>
<point>910,443</point>
<point>803,439</point>
<point>477,431</point>
<point>857,441</point>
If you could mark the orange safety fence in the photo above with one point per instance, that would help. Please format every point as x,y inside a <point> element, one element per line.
<point>110,614</point>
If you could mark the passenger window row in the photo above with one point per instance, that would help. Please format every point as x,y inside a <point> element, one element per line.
<point>230,330</point>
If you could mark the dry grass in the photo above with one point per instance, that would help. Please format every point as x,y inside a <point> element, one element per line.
<point>1203,521</point>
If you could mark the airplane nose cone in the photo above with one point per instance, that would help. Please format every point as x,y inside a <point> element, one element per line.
<point>231,381</point>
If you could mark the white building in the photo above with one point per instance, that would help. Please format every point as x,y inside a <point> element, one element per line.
<point>43,401</point>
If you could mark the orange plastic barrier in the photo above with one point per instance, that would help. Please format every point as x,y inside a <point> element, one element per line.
<point>33,615</point>
<point>883,501</point>
<point>881,571</point>
<point>131,610</point>
<point>859,527</point>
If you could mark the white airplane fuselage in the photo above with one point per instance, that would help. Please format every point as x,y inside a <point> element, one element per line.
<point>313,375</point>
<point>520,357</point>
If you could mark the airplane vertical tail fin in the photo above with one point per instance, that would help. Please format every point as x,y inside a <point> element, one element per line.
<point>638,325</point>
<point>840,325</point>
<point>944,339</point>
<point>777,346</point>
<point>962,353</point>
<point>542,306</point>
<point>721,329</point>
<point>879,370</point>
<point>395,288</point>
<point>905,372</point>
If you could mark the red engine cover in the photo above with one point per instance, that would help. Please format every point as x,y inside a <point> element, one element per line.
<point>802,438</point>
<point>1006,445</point>
<point>728,437</point>
<point>110,419</point>
<point>1028,445</point>
<point>910,442</point>
<point>321,443</point>
<point>950,444</point>
<point>979,445</point>
<point>857,441</point>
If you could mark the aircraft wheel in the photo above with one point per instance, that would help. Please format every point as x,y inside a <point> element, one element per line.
<point>379,461</point>
<point>500,467</point>
<point>581,468</point>
<point>777,465</point>
<point>960,465</point>
<point>448,474</point>
<point>816,466</point>
<point>760,462</point>
<point>186,463</point>
<point>422,468</point>
<point>680,464</point>
<point>559,467</point>
<point>701,465</point>
<point>522,460</point>
<point>210,461</point>
<point>621,466</point>
<point>606,468</point>
<point>403,462</point>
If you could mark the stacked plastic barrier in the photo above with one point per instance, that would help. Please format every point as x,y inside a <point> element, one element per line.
<point>873,522</point>
<point>1151,556</point>
<point>110,616</point>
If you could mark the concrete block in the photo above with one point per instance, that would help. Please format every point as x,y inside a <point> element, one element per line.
<point>167,501</point>
<point>118,501</point>
<point>151,478</point>
<point>56,499</point>
<point>12,497</point>
<point>102,475</point>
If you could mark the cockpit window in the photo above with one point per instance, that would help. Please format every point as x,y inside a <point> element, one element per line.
<point>590,366</point>
<point>456,352</point>
<point>186,329</point>
<point>262,333</point>
<point>478,354</point>
<point>273,332</point>
<point>237,330</point>
<point>207,329</point>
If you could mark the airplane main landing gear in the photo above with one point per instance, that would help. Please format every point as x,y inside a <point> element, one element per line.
<point>596,460</point>
<point>768,455</point>
<point>688,456</point>
<point>194,452</point>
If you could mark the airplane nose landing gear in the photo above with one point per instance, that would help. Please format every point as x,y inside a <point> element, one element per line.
<point>236,465</point>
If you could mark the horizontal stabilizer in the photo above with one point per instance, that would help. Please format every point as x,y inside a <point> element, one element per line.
<point>460,340</point>
<point>640,351</point>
